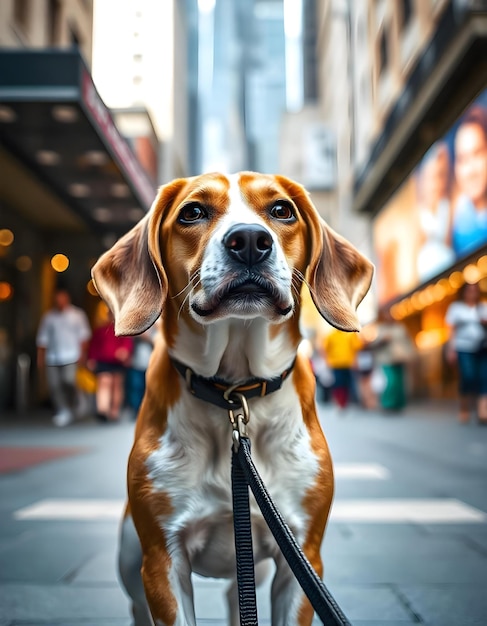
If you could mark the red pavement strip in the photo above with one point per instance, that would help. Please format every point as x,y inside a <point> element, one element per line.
<point>15,459</point>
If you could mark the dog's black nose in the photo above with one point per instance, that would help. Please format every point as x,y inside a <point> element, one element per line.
<point>248,243</point>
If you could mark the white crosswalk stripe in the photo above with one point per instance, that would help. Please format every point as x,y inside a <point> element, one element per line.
<point>360,471</point>
<point>71,509</point>
<point>371,510</point>
<point>378,510</point>
<point>415,510</point>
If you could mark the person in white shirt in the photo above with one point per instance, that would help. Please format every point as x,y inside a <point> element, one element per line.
<point>62,344</point>
<point>467,319</point>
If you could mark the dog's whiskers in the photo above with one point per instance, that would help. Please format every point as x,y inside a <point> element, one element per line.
<point>295,289</point>
<point>188,295</point>
<point>189,284</point>
<point>300,276</point>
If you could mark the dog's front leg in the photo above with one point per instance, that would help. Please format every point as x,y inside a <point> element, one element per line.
<point>166,571</point>
<point>168,586</point>
<point>130,564</point>
<point>290,606</point>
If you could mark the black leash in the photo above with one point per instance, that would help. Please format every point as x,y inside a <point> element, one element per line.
<point>246,475</point>
<point>247,600</point>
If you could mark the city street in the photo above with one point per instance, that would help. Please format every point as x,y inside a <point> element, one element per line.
<point>235,176</point>
<point>406,544</point>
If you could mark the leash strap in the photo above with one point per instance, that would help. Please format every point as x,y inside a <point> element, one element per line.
<point>322,601</point>
<point>247,600</point>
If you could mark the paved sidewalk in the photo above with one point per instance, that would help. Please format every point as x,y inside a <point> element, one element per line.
<point>406,543</point>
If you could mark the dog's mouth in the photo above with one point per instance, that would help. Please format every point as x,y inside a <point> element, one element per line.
<point>245,294</point>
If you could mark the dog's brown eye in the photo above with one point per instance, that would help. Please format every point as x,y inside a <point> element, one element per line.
<point>191,213</point>
<point>282,211</point>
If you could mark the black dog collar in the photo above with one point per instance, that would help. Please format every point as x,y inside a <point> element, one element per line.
<point>221,392</point>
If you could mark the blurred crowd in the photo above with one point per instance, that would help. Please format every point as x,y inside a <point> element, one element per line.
<point>372,368</point>
<point>368,368</point>
<point>90,371</point>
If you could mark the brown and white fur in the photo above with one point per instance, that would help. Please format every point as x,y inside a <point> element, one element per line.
<point>223,258</point>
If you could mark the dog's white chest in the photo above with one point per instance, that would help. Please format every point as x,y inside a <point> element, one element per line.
<point>193,467</point>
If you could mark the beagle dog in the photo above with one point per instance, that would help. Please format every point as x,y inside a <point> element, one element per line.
<point>223,259</point>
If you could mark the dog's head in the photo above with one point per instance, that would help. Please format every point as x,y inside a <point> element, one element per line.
<point>240,246</point>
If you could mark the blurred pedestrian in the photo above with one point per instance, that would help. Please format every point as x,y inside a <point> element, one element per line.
<point>135,382</point>
<point>108,357</point>
<point>467,320</point>
<point>6,353</point>
<point>323,375</point>
<point>470,214</point>
<point>340,349</point>
<point>393,351</point>
<point>62,344</point>
<point>364,366</point>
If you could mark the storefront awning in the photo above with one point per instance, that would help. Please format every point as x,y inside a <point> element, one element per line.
<point>55,124</point>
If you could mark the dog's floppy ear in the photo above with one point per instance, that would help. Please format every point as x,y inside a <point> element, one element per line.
<point>339,276</point>
<point>130,277</point>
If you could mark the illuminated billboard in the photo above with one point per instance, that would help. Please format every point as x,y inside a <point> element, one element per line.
<point>439,214</point>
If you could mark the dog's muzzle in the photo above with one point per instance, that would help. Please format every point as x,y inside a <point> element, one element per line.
<point>244,276</point>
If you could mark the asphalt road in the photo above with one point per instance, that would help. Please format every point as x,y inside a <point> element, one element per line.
<point>406,543</point>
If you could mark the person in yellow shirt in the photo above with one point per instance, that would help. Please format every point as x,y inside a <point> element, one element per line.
<point>340,349</point>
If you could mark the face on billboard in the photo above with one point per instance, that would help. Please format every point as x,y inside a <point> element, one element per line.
<point>439,215</point>
<point>433,179</point>
<point>471,163</point>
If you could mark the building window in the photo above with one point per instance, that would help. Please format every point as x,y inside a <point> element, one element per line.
<point>21,13</point>
<point>53,21</point>
<point>405,13</point>
<point>383,51</point>
<point>360,32</point>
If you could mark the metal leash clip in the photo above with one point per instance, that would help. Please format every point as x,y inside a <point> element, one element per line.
<point>239,417</point>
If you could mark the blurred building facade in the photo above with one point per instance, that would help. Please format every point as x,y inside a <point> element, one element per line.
<point>185,145</point>
<point>70,184</point>
<point>396,81</point>
<point>46,23</point>
<point>237,82</point>
<point>134,76</point>
<point>361,101</point>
